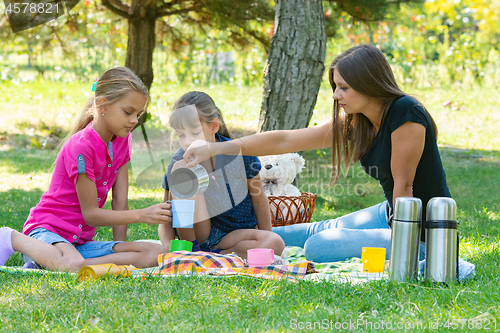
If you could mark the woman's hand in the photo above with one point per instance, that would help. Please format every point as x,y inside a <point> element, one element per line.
<point>157,214</point>
<point>197,152</point>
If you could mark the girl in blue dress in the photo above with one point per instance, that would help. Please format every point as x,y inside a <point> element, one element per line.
<point>233,214</point>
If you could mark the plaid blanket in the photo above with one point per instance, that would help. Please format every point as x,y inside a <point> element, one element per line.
<point>350,270</point>
<point>204,263</point>
<point>294,266</point>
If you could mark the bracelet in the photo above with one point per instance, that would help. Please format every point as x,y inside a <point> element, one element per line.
<point>242,144</point>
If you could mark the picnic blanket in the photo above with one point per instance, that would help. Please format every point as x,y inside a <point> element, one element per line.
<point>205,263</point>
<point>292,265</point>
<point>349,270</point>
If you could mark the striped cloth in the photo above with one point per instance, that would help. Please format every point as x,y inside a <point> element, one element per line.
<point>204,263</point>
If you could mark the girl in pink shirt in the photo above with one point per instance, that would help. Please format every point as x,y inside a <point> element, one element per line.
<point>59,230</point>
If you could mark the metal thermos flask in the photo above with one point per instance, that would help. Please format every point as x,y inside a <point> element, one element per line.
<point>441,240</point>
<point>405,239</point>
<point>185,183</point>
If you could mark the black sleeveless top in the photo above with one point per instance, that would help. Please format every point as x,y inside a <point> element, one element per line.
<point>430,178</point>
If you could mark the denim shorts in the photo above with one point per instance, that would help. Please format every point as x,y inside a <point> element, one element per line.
<point>91,249</point>
<point>213,238</point>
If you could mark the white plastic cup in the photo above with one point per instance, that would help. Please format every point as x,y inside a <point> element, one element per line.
<point>182,213</point>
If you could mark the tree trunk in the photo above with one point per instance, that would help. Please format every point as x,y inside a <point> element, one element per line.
<point>295,65</point>
<point>141,44</point>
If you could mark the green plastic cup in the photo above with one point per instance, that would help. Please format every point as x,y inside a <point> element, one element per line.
<point>180,245</point>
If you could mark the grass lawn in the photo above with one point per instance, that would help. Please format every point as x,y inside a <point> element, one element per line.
<point>468,122</point>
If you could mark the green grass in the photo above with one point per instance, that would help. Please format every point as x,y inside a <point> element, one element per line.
<point>469,148</point>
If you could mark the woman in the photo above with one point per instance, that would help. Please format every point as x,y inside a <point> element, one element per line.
<point>392,135</point>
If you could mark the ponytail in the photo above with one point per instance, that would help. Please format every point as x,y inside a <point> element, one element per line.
<point>113,85</point>
<point>85,117</point>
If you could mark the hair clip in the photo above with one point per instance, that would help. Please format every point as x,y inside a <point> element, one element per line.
<point>94,84</point>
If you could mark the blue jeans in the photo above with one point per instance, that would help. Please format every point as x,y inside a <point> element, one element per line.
<point>340,238</point>
<point>213,238</point>
<point>91,249</point>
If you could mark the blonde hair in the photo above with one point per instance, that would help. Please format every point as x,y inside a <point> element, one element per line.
<point>366,70</point>
<point>206,109</point>
<point>113,85</point>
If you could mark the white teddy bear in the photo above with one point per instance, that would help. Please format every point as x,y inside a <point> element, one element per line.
<point>278,173</point>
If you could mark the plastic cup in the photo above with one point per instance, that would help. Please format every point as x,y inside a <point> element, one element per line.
<point>373,259</point>
<point>95,271</point>
<point>182,213</point>
<point>260,257</point>
<point>180,245</point>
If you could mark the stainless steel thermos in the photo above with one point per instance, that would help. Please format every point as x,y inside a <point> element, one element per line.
<point>187,182</point>
<point>405,238</point>
<point>441,240</point>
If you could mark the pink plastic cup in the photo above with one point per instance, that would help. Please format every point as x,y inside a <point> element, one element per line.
<point>260,257</point>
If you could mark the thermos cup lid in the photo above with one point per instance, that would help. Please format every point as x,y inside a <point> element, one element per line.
<point>441,209</point>
<point>185,182</point>
<point>408,209</point>
<point>182,182</point>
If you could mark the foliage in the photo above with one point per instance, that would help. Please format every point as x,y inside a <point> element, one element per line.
<point>81,45</point>
<point>74,46</point>
<point>441,42</point>
<point>438,43</point>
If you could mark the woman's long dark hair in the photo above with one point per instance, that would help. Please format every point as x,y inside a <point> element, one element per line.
<point>366,70</point>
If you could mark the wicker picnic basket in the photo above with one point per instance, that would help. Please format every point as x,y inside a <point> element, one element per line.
<point>291,210</point>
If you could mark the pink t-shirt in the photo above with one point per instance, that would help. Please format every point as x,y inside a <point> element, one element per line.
<point>59,209</point>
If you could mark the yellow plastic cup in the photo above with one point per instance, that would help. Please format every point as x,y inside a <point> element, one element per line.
<point>373,259</point>
<point>96,271</point>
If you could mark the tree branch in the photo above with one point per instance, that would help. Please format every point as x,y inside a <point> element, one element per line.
<point>404,1</point>
<point>118,7</point>
<point>148,3</point>
<point>198,23</point>
<point>168,5</point>
<point>360,15</point>
<point>63,46</point>
<point>179,11</point>
<point>265,42</point>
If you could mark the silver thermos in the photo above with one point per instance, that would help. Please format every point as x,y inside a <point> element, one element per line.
<point>185,183</point>
<point>441,240</point>
<point>405,239</point>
